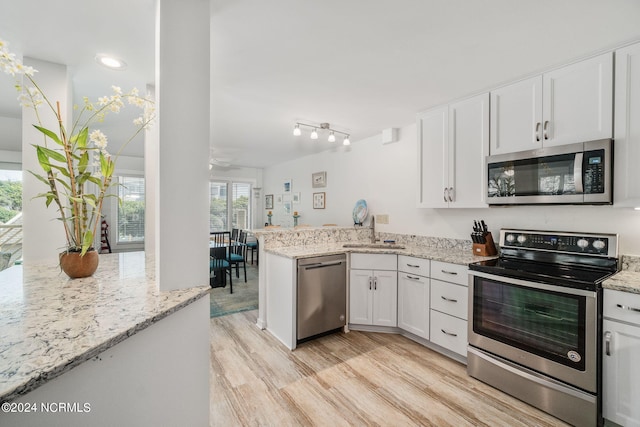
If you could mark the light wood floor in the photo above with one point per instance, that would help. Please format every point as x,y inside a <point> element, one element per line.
<point>347,379</point>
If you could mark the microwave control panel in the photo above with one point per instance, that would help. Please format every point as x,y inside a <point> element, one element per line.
<point>594,172</point>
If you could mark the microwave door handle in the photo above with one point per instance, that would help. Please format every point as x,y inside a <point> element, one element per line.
<point>577,173</point>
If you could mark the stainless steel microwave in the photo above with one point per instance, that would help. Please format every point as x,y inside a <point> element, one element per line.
<point>568,174</point>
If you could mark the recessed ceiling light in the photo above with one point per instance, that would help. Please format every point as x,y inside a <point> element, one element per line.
<point>111,62</point>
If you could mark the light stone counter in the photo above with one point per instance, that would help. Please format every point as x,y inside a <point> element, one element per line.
<point>453,255</point>
<point>50,323</point>
<point>628,279</point>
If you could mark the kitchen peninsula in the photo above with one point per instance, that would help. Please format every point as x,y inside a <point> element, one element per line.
<point>280,248</point>
<point>109,349</point>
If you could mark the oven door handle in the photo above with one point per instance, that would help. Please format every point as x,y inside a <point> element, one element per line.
<point>533,285</point>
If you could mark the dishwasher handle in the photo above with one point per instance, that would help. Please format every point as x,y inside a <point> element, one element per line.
<point>321,265</point>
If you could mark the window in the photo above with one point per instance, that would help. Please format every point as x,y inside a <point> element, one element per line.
<point>10,194</point>
<point>218,207</point>
<point>131,209</point>
<point>240,214</point>
<point>230,205</point>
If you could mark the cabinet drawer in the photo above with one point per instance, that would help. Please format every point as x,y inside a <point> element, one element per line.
<point>413,265</point>
<point>449,332</point>
<point>449,298</point>
<point>374,261</point>
<point>624,306</point>
<point>448,272</point>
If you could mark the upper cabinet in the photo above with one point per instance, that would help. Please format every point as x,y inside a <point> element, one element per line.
<point>627,127</point>
<point>453,141</point>
<point>567,105</point>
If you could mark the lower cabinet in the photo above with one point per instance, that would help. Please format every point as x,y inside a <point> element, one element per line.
<point>621,367</point>
<point>449,306</point>
<point>449,332</point>
<point>423,297</point>
<point>373,294</point>
<point>413,304</point>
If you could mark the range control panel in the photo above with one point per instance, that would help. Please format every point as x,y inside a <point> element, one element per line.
<point>576,243</point>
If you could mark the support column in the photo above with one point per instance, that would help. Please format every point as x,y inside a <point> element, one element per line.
<point>182,94</point>
<point>43,235</point>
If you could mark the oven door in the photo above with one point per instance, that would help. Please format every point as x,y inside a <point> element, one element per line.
<point>550,329</point>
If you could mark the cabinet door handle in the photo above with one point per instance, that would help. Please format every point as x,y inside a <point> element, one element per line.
<point>451,334</point>
<point>626,307</point>
<point>607,343</point>
<point>445,194</point>
<point>413,265</point>
<point>453,273</point>
<point>449,193</point>
<point>370,280</point>
<point>546,128</point>
<point>536,131</point>
<point>412,278</point>
<point>448,299</point>
<point>375,283</point>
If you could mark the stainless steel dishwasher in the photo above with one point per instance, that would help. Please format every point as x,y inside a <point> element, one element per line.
<point>322,295</point>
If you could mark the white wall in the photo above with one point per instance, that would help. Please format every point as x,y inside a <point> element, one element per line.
<point>386,177</point>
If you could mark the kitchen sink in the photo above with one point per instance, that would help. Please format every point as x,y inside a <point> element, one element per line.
<point>373,245</point>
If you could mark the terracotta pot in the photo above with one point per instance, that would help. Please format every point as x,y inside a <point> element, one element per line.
<point>76,266</point>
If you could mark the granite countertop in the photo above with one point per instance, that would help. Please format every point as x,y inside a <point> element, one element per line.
<point>624,280</point>
<point>50,323</point>
<point>450,255</point>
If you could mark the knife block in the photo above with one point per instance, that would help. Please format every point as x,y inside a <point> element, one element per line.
<point>485,249</point>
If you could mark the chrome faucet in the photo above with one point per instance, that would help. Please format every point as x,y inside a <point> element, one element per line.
<point>373,229</point>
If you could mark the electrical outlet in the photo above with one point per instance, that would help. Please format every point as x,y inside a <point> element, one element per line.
<point>382,219</point>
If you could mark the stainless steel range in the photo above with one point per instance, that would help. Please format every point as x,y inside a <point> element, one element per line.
<point>536,320</point>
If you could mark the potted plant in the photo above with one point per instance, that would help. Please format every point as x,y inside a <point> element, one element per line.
<point>77,169</point>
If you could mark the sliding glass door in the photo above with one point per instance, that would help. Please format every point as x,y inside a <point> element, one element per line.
<point>230,205</point>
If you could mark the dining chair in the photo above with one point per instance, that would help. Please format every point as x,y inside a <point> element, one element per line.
<point>234,233</point>
<point>252,246</point>
<point>238,254</point>
<point>219,263</point>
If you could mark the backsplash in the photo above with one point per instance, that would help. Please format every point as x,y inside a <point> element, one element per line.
<point>631,263</point>
<point>282,237</point>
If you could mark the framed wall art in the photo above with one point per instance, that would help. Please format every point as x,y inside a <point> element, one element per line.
<point>268,201</point>
<point>318,200</point>
<point>296,197</point>
<point>319,179</point>
<point>286,187</point>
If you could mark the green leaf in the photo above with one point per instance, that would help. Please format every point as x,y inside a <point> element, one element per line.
<point>43,159</point>
<point>62,170</point>
<point>53,154</point>
<point>50,134</point>
<point>50,198</point>
<point>40,177</point>
<point>81,138</point>
<point>84,162</point>
<point>64,183</point>
<point>87,241</point>
<point>90,199</point>
<point>97,181</point>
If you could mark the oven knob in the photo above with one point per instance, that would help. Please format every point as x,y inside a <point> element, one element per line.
<point>510,238</point>
<point>522,238</point>
<point>599,244</point>
<point>582,243</point>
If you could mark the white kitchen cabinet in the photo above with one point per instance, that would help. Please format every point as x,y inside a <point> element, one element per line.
<point>413,295</point>
<point>563,106</point>
<point>621,347</point>
<point>627,129</point>
<point>373,293</point>
<point>453,141</point>
<point>449,306</point>
<point>516,116</point>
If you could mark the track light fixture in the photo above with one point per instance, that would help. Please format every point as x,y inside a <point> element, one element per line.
<point>323,126</point>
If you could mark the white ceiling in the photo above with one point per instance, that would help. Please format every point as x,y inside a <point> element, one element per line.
<point>361,65</point>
